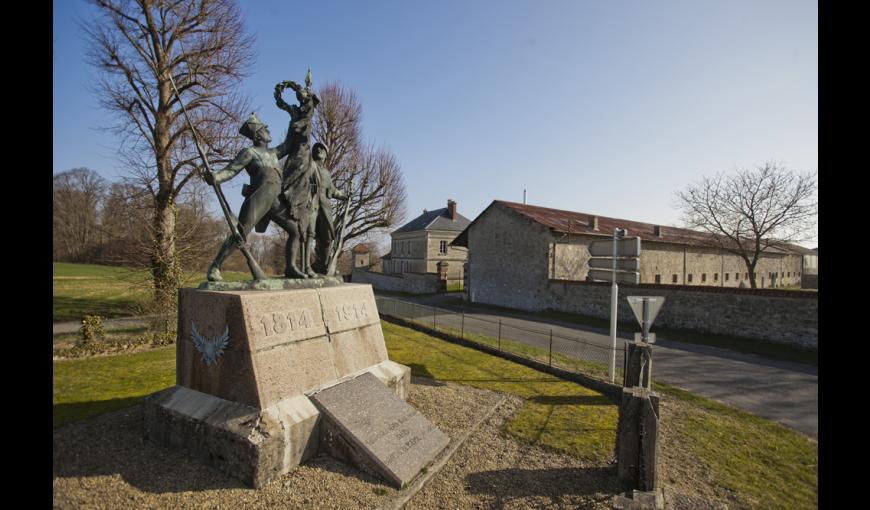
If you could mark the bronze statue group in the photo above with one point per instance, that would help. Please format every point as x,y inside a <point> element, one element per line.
<point>296,197</point>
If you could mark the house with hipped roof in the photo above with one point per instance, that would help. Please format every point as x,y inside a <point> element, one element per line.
<point>423,243</point>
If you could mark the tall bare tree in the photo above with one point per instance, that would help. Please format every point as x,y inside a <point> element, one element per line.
<point>378,195</point>
<point>136,45</point>
<point>76,198</point>
<point>750,212</point>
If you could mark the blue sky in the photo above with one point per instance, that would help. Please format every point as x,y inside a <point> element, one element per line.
<point>604,107</point>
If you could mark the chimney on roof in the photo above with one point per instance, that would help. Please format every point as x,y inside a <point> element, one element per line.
<point>593,222</point>
<point>657,230</point>
<point>451,208</point>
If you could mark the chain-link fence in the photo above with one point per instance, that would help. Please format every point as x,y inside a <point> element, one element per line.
<point>575,351</point>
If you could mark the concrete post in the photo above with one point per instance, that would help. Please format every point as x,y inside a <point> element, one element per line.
<point>637,439</point>
<point>638,365</point>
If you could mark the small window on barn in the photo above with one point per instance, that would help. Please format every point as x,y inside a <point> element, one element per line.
<point>690,278</point>
<point>715,277</point>
<point>703,277</point>
<point>658,278</point>
<point>726,276</point>
<point>674,279</point>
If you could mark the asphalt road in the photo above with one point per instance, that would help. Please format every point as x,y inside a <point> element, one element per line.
<point>776,390</point>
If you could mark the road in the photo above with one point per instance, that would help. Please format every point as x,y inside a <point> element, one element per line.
<point>776,390</point>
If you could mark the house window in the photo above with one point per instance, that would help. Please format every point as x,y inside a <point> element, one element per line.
<point>674,279</point>
<point>690,278</point>
<point>658,278</point>
<point>736,277</point>
<point>703,277</point>
<point>443,249</point>
<point>715,277</point>
<point>726,276</point>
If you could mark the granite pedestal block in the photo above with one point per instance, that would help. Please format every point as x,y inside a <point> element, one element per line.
<point>246,362</point>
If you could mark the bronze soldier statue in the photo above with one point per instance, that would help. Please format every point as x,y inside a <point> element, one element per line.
<point>308,184</point>
<point>263,202</point>
<point>320,220</point>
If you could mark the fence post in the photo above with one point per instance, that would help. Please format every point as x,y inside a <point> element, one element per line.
<point>434,312</point>
<point>462,334</point>
<point>499,334</point>
<point>551,347</point>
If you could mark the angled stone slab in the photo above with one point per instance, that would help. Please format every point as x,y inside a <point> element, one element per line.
<point>367,424</point>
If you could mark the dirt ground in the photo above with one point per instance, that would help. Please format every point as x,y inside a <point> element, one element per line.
<point>105,463</point>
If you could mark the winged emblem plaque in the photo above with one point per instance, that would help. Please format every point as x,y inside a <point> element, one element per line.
<point>210,348</point>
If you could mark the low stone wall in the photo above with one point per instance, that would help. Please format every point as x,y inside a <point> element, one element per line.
<point>414,283</point>
<point>783,316</point>
<point>810,281</point>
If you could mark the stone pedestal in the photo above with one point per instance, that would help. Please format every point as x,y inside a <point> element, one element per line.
<point>246,363</point>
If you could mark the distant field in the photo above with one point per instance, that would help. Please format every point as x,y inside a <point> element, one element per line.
<point>110,291</point>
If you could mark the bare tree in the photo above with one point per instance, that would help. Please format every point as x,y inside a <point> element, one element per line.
<point>136,45</point>
<point>751,212</point>
<point>76,199</point>
<point>378,196</point>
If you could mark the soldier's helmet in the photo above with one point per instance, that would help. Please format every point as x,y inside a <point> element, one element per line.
<point>318,144</point>
<point>251,126</point>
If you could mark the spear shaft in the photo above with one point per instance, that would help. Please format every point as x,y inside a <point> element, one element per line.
<point>241,240</point>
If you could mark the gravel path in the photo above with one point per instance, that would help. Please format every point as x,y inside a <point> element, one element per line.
<point>104,463</point>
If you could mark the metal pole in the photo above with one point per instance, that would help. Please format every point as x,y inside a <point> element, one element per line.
<point>551,347</point>
<point>614,292</point>
<point>624,362</point>
<point>645,321</point>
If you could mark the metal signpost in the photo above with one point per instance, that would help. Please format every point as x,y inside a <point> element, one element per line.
<point>620,257</point>
<point>645,309</point>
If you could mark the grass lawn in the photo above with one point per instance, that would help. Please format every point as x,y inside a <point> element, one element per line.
<point>746,345</point>
<point>109,291</point>
<point>89,387</point>
<point>767,465</point>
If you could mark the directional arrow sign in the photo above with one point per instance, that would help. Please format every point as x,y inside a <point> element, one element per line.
<point>604,275</point>
<point>636,303</point>
<point>628,247</point>
<point>621,264</point>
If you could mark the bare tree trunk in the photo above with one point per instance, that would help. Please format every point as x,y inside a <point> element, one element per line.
<point>165,267</point>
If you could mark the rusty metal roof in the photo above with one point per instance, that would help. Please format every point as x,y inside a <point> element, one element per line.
<point>571,222</point>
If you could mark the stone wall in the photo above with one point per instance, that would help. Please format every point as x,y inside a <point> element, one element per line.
<point>509,260</point>
<point>455,256</point>
<point>775,315</point>
<point>415,283</point>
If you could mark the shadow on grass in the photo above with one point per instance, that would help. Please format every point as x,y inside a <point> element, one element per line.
<point>565,400</point>
<point>505,484</point>
<point>77,411</point>
<point>423,376</point>
<point>67,308</point>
